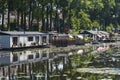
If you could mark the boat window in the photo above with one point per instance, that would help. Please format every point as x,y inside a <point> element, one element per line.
<point>37,55</point>
<point>44,55</point>
<point>44,39</point>
<point>30,56</point>
<point>30,38</point>
<point>37,38</point>
<point>15,40</point>
<point>15,57</point>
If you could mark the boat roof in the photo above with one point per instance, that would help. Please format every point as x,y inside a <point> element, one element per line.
<point>95,32</point>
<point>20,33</point>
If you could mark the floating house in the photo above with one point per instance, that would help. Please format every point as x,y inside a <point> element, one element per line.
<point>14,39</point>
<point>58,40</point>
<point>95,35</point>
<point>63,40</point>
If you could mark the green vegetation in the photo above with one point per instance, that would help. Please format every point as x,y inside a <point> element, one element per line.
<point>61,15</point>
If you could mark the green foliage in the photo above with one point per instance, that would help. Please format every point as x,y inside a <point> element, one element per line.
<point>76,14</point>
<point>75,24</point>
<point>110,51</point>
<point>95,25</point>
<point>85,20</point>
<point>109,28</point>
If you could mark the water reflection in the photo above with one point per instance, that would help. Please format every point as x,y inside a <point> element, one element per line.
<point>63,64</point>
<point>32,64</point>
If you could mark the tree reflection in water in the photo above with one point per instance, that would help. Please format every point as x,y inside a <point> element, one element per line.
<point>45,65</point>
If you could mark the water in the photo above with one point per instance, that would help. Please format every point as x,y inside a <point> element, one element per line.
<point>90,62</point>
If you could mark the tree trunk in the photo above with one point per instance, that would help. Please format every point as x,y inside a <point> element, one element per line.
<point>8,25</point>
<point>43,25</point>
<point>18,14</point>
<point>2,21</point>
<point>22,20</point>
<point>37,24</point>
<point>69,19</point>
<point>51,15</point>
<point>56,26</point>
<point>29,21</point>
<point>63,25</point>
<point>47,22</point>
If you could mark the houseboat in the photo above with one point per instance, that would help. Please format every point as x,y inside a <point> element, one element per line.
<point>25,39</point>
<point>58,40</point>
<point>96,36</point>
<point>64,40</point>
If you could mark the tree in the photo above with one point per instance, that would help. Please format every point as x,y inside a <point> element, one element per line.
<point>85,20</point>
<point>86,13</point>
<point>95,25</point>
<point>109,28</point>
<point>3,4</point>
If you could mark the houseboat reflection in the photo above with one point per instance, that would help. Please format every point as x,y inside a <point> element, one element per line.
<point>44,64</point>
<point>28,64</point>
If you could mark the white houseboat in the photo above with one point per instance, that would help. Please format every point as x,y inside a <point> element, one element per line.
<point>12,40</point>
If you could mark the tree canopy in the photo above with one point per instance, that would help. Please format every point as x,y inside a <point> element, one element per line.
<point>47,15</point>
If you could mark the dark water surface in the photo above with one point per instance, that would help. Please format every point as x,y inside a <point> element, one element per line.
<point>89,62</point>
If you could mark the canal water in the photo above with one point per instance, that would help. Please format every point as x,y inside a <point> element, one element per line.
<point>89,62</point>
